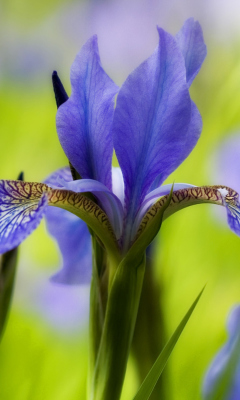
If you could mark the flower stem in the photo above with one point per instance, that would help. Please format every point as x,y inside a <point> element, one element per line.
<point>98,300</point>
<point>119,324</point>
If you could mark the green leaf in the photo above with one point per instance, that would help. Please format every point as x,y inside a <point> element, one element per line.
<point>8,263</point>
<point>151,379</point>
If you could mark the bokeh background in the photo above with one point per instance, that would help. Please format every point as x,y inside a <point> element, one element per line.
<point>43,354</point>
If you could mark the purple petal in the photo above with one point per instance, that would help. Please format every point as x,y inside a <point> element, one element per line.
<point>226,365</point>
<point>65,308</point>
<point>233,216</point>
<point>191,43</point>
<point>84,121</point>
<point>74,243</point>
<point>154,121</point>
<point>54,180</point>
<point>72,236</point>
<point>22,206</point>
<point>231,201</point>
<point>108,201</point>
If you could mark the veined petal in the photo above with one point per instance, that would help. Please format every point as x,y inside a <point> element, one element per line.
<point>74,242</point>
<point>108,201</point>
<point>151,121</point>
<point>84,121</point>
<point>190,41</point>
<point>222,379</point>
<point>220,195</point>
<point>22,206</point>
<point>89,212</point>
<point>191,137</point>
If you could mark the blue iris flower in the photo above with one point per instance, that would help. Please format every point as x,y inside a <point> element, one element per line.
<point>153,128</point>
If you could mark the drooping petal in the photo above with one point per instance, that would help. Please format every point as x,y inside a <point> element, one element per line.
<point>108,201</point>
<point>74,242</point>
<point>62,179</point>
<point>151,198</point>
<point>190,41</point>
<point>84,121</point>
<point>222,379</point>
<point>72,236</point>
<point>22,206</point>
<point>220,195</point>
<point>86,209</point>
<point>152,120</point>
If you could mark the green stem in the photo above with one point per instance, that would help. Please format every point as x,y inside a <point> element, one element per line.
<point>121,313</point>
<point>98,301</point>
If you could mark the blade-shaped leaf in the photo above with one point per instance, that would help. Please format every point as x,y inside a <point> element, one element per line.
<point>151,379</point>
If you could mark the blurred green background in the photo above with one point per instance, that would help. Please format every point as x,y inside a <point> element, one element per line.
<point>43,354</point>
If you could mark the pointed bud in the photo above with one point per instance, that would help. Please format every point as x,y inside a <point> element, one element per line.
<point>20,176</point>
<point>59,91</point>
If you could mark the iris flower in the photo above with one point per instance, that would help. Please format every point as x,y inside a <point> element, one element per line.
<point>222,379</point>
<point>153,128</point>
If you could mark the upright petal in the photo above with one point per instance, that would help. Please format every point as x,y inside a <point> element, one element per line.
<point>74,242</point>
<point>191,43</point>
<point>153,116</point>
<point>84,121</point>
<point>22,206</point>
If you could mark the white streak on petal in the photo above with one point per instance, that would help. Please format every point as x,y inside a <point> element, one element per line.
<point>224,192</point>
<point>118,183</point>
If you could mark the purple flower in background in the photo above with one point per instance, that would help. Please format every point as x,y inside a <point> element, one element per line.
<point>153,128</point>
<point>222,380</point>
<point>226,155</point>
<point>64,308</point>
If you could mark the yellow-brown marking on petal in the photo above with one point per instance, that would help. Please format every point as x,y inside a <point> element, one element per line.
<point>186,197</point>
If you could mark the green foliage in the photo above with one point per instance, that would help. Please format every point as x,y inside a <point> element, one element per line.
<point>158,367</point>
